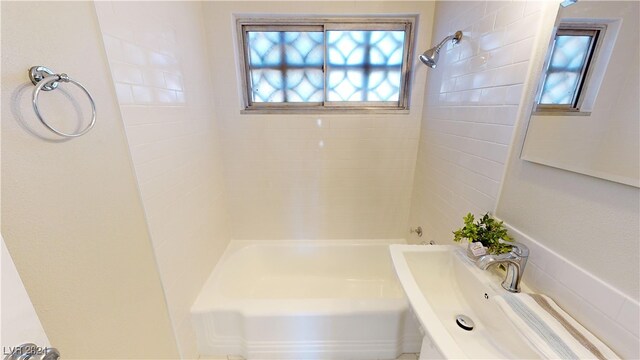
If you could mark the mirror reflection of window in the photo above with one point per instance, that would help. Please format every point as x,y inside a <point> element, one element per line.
<point>566,77</point>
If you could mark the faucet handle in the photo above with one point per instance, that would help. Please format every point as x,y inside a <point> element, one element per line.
<point>519,249</point>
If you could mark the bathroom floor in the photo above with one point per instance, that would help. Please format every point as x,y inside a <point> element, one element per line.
<point>408,357</point>
<point>401,357</point>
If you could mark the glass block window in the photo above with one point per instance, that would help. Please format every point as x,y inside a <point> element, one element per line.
<point>355,65</point>
<point>567,70</point>
<point>364,65</point>
<point>286,66</point>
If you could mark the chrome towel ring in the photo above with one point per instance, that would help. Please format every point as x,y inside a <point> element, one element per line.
<point>47,80</point>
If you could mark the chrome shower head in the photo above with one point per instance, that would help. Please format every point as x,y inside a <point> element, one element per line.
<point>430,57</point>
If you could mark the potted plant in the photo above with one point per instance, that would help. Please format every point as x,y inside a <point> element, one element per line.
<point>486,231</point>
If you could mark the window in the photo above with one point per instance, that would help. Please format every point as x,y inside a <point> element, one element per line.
<point>325,64</point>
<point>568,68</point>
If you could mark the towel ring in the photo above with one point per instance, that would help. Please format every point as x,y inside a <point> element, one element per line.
<point>46,80</point>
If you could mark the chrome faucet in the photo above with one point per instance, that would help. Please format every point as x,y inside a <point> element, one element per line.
<point>515,260</point>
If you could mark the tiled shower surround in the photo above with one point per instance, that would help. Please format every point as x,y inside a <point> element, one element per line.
<point>314,176</point>
<point>155,51</point>
<point>469,123</point>
<point>471,107</point>
<point>208,173</point>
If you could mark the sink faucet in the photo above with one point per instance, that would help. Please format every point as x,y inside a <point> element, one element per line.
<point>515,260</point>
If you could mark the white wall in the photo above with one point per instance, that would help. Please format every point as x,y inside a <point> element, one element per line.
<point>578,215</point>
<point>470,110</point>
<point>314,176</point>
<point>19,321</point>
<point>587,254</point>
<point>582,231</point>
<point>71,215</point>
<point>591,221</point>
<point>158,57</point>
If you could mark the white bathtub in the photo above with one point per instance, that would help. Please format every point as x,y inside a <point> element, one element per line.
<point>305,300</point>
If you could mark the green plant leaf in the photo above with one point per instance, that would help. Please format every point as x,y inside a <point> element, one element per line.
<point>491,233</point>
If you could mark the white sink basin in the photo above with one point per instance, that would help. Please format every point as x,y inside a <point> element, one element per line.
<point>441,283</point>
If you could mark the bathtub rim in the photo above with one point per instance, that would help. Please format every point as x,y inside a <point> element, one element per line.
<point>235,246</point>
<point>322,305</point>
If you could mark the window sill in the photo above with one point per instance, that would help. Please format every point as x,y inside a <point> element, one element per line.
<point>327,111</point>
<point>561,113</point>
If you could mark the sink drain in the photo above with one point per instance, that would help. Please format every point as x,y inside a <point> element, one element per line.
<point>465,322</point>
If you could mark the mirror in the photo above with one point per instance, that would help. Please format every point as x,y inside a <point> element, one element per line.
<point>586,113</point>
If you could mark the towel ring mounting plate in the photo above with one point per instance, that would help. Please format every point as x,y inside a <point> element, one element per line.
<point>37,73</point>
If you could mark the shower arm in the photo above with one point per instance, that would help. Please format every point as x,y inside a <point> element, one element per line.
<point>455,38</point>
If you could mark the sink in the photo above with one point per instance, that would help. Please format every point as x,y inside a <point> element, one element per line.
<point>441,282</point>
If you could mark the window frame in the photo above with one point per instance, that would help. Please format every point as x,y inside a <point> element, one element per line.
<point>598,32</point>
<point>404,23</point>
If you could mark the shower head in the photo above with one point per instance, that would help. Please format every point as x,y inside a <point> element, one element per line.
<point>430,57</point>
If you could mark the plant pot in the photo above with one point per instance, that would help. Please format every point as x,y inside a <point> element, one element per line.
<point>470,254</point>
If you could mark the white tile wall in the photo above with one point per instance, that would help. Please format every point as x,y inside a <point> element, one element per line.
<point>608,313</point>
<point>401,357</point>
<point>315,176</point>
<point>158,59</point>
<point>342,179</point>
<point>332,176</point>
<point>470,110</point>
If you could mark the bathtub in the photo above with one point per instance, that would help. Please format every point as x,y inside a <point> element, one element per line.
<point>305,300</point>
